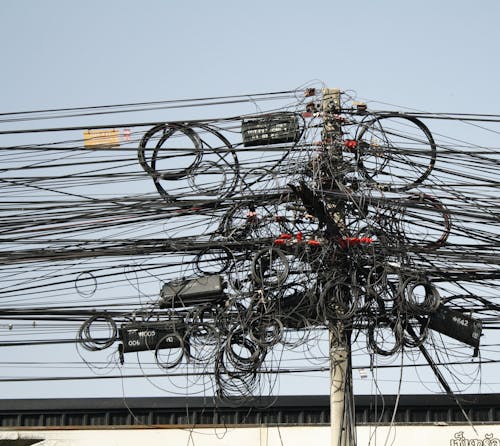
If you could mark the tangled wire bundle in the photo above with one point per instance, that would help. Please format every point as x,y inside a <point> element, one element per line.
<point>208,249</point>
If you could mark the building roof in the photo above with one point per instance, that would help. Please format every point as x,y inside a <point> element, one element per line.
<point>282,410</point>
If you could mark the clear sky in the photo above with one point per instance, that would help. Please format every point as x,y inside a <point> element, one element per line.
<point>426,55</point>
<point>432,55</point>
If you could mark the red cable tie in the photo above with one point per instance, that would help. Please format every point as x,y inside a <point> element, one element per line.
<point>351,143</point>
<point>313,242</point>
<point>352,241</point>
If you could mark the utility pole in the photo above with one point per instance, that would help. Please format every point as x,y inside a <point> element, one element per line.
<point>341,406</point>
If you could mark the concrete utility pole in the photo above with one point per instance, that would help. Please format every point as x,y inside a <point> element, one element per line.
<point>340,369</point>
<point>341,407</point>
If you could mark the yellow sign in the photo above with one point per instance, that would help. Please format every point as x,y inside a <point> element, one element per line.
<point>101,138</point>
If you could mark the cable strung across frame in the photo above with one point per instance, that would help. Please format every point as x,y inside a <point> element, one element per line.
<point>215,244</point>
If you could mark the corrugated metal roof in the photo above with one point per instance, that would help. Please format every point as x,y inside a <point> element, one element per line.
<point>283,410</point>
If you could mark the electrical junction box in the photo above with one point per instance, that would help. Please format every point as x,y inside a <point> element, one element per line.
<point>279,128</point>
<point>190,292</point>
<point>457,325</point>
<point>144,336</point>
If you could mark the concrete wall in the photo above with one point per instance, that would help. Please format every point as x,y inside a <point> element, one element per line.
<point>398,435</point>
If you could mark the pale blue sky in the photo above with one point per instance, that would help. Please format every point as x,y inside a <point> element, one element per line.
<point>428,55</point>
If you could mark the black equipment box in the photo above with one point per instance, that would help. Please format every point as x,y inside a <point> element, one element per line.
<point>271,129</point>
<point>143,336</point>
<point>190,292</point>
<point>457,325</point>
